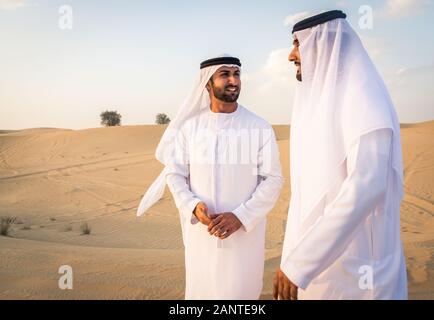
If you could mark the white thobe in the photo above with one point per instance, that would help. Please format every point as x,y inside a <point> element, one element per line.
<point>353,250</point>
<point>231,268</point>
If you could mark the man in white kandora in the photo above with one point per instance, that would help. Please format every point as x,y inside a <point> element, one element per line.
<point>222,167</point>
<point>342,239</point>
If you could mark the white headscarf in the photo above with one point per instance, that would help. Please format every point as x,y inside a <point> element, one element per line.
<point>197,100</point>
<point>341,97</point>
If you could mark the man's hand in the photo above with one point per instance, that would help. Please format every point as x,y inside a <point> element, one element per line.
<point>283,288</point>
<point>201,213</point>
<point>224,224</point>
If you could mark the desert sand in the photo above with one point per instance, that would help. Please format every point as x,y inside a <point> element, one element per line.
<point>54,180</point>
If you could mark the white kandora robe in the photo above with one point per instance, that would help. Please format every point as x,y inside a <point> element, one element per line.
<point>342,239</point>
<point>231,268</point>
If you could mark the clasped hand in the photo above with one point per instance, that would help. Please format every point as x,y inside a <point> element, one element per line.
<point>221,225</point>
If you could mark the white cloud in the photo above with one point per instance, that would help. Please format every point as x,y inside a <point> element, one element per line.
<point>342,3</point>
<point>296,17</point>
<point>277,62</point>
<point>411,90</point>
<point>12,4</point>
<point>421,70</point>
<point>269,90</point>
<point>375,46</point>
<point>395,9</point>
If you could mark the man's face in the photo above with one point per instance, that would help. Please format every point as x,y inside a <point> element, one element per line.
<point>294,56</point>
<point>225,84</point>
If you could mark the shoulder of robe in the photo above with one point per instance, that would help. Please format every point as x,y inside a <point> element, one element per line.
<point>256,121</point>
<point>192,121</point>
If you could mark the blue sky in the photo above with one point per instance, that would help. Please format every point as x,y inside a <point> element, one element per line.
<point>140,57</point>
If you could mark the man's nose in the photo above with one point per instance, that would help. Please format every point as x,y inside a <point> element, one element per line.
<point>292,57</point>
<point>232,80</point>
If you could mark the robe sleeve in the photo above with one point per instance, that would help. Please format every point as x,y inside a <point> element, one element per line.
<point>365,185</point>
<point>177,178</point>
<point>267,191</point>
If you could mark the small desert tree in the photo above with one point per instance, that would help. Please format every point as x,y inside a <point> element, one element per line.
<point>6,224</point>
<point>110,118</point>
<point>85,228</point>
<point>162,118</point>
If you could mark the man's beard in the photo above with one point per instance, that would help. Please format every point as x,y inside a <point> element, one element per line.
<point>223,95</point>
<point>298,76</point>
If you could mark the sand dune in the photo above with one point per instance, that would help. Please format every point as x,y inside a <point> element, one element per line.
<point>53,180</point>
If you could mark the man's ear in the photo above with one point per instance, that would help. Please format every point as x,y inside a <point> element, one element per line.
<point>208,86</point>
